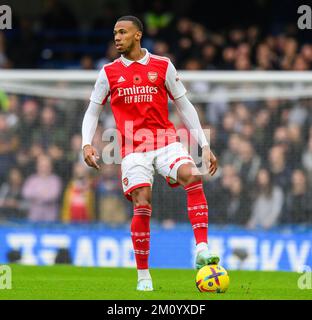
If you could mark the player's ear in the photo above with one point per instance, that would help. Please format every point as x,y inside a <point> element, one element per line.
<point>138,35</point>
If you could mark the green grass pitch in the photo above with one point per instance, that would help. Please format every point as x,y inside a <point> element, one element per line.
<point>85,283</point>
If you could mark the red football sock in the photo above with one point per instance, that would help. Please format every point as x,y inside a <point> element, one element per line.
<point>197,208</point>
<point>140,234</point>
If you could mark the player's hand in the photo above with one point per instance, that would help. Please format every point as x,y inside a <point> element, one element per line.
<point>90,156</point>
<point>210,160</point>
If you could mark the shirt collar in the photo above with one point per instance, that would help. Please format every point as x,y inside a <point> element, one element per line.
<point>144,60</point>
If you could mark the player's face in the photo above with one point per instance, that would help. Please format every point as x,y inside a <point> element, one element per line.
<point>126,35</point>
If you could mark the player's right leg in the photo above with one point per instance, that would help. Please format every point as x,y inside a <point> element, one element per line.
<point>137,177</point>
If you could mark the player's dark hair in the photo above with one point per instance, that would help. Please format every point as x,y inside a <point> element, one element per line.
<point>136,21</point>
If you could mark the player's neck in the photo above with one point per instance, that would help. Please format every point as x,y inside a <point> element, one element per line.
<point>135,54</point>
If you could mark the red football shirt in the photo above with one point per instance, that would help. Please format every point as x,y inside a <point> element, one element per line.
<point>139,100</point>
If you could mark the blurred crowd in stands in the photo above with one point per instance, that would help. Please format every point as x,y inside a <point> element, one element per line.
<point>264,147</point>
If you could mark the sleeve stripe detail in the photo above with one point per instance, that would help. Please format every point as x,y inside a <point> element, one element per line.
<point>105,99</point>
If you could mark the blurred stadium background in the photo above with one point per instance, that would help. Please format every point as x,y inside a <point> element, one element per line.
<point>246,66</point>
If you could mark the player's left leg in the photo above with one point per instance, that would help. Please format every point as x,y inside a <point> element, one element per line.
<point>175,164</point>
<point>197,208</point>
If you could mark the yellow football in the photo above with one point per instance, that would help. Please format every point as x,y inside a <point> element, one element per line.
<point>212,278</point>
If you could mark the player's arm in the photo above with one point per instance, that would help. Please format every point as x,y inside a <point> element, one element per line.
<point>189,116</point>
<point>98,98</point>
<point>89,124</point>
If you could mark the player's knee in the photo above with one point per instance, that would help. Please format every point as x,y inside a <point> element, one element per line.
<point>141,197</point>
<point>188,179</point>
<point>193,179</point>
<point>141,202</point>
<point>187,174</point>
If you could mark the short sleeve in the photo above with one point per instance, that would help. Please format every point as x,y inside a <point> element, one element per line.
<point>173,83</point>
<point>101,89</point>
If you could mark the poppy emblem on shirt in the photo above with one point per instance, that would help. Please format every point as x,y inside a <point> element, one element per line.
<point>152,76</point>
<point>137,79</point>
<point>125,181</point>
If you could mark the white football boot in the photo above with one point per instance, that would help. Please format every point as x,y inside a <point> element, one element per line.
<point>145,285</point>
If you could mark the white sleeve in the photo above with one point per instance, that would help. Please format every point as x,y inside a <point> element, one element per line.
<point>101,88</point>
<point>190,118</point>
<point>90,121</point>
<point>173,83</point>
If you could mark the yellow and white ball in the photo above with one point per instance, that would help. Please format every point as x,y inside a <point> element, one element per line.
<point>212,278</point>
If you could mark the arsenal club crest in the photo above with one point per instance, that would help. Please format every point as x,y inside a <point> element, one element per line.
<point>152,76</point>
<point>125,181</point>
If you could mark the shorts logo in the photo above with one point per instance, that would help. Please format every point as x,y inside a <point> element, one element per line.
<point>152,76</point>
<point>137,79</point>
<point>125,181</point>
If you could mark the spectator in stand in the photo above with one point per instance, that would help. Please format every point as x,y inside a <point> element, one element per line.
<point>74,154</point>
<point>281,138</point>
<point>62,167</point>
<point>183,42</point>
<point>307,160</point>
<point>298,204</point>
<point>248,131</point>
<point>87,63</point>
<point>12,109</point>
<point>110,55</point>
<point>208,56</point>
<point>298,114</point>
<point>242,64</point>
<point>296,145</point>
<point>42,191</point>
<point>247,163</point>
<point>11,202</point>
<point>161,48</point>
<point>111,206</point>
<point>228,58</point>
<point>261,135</point>
<point>196,86</point>
<point>26,159</point>
<point>219,193</point>
<point>231,153</point>
<point>200,38</point>
<point>274,108</point>
<point>9,143</point>
<point>306,53</point>
<point>28,122</point>
<point>78,202</point>
<point>158,18</point>
<point>49,132</point>
<point>237,207</point>
<point>265,58</point>
<point>300,64</point>
<point>268,202</point>
<point>228,126</point>
<point>278,166</point>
